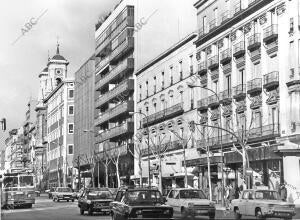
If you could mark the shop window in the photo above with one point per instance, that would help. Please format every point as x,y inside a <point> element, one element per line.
<point>71,110</point>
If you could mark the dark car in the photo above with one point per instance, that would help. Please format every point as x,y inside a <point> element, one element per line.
<point>95,200</point>
<point>140,203</point>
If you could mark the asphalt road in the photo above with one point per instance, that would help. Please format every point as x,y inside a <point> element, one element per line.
<point>46,209</point>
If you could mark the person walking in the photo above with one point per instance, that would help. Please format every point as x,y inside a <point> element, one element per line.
<point>283,192</point>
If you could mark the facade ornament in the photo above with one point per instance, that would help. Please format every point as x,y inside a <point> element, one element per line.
<point>215,114</point>
<point>227,110</point>
<point>204,118</point>
<point>220,43</point>
<point>256,102</point>
<point>198,55</point>
<point>233,36</point>
<point>208,50</point>
<point>273,97</point>
<point>263,19</point>
<point>241,106</point>
<point>281,9</point>
<point>247,27</point>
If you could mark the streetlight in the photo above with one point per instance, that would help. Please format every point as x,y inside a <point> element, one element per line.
<point>148,143</point>
<point>221,144</point>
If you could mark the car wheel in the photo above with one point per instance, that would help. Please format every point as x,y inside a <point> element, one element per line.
<point>237,214</point>
<point>67,200</point>
<point>259,214</point>
<point>81,211</point>
<point>212,216</point>
<point>72,200</point>
<point>90,211</point>
<point>184,213</point>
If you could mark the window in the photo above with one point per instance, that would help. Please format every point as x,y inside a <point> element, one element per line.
<point>147,94</point>
<point>257,71</point>
<point>216,16</point>
<point>140,92</point>
<point>162,80</point>
<point>291,25</point>
<point>71,93</point>
<point>204,25</point>
<point>241,77</point>
<point>154,86</point>
<point>228,83</point>
<point>70,149</point>
<point>257,119</point>
<point>71,110</point>
<point>171,74</point>
<point>70,128</point>
<point>180,70</point>
<point>191,65</point>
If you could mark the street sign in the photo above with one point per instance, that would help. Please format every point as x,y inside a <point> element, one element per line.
<point>249,171</point>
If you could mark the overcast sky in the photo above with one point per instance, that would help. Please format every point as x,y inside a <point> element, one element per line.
<point>72,21</point>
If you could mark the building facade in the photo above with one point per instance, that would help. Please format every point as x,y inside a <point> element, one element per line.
<point>248,53</point>
<point>114,86</point>
<point>59,102</point>
<point>84,101</point>
<point>166,105</point>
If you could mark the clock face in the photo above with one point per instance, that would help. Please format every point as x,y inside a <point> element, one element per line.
<point>58,72</point>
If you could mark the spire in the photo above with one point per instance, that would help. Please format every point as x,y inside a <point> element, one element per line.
<point>48,56</point>
<point>57,46</point>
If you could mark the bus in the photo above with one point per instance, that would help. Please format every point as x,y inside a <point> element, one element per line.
<point>17,190</point>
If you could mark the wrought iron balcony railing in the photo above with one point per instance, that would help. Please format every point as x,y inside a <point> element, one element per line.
<point>270,33</point>
<point>239,49</point>
<point>202,68</point>
<point>254,41</point>
<point>121,49</point>
<point>202,104</point>
<point>213,62</point>
<point>225,56</point>
<point>254,85</point>
<point>271,80</point>
<point>239,91</point>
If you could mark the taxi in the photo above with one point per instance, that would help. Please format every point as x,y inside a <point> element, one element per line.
<point>191,203</point>
<point>262,203</point>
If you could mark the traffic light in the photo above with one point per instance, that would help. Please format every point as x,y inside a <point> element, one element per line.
<point>3,122</point>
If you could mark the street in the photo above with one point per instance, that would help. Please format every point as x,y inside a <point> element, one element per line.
<point>47,209</point>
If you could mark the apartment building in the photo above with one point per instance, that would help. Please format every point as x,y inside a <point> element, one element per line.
<point>84,101</point>
<point>114,87</point>
<point>248,53</point>
<point>166,105</point>
<point>59,103</point>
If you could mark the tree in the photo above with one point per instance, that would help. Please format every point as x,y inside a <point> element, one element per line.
<point>91,162</point>
<point>105,160</point>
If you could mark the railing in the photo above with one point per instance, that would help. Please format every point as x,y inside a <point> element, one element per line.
<point>271,77</point>
<point>239,90</point>
<point>213,99</point>
<point>212,24</point>
<point>124,128</point>
<point>213,61</point>
<point>164,114</point>
<point>102,63</point>
<point>254,84</point>
<point>253,39</point>
<point>126,64</point>
<point>202,67</point>
<point>225,15</point>
<point>270,31</point>
<point>225,54</point>
<point>237,8</point>
<point>128,43</point>
<point>226,94</point>
<point>127,22</point>
<point>117,110</point>
<point>170,146</point>
<point>127,84</point>
<point>238,48</point>
<point>203,79</point>
<point>202,103</point>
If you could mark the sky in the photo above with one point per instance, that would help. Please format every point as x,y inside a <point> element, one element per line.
<point>72,22</point>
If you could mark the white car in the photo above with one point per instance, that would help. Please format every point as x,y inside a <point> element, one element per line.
<point>191,202</point>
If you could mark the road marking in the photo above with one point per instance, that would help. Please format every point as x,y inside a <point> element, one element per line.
<point>36,209</point>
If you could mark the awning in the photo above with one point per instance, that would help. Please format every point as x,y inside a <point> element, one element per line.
<point>202,161</point>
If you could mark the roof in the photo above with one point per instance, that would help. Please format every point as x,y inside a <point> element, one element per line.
<point>57,56</point>
<point>45,69</point>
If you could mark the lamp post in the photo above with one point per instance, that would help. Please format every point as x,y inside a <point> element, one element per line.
<point>221,144</point>
<point>148,142</point>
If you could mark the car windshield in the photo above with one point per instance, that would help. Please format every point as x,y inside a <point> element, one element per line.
<point>99,195</point>
<point>144,196</point>
<point>64,190</point>
<point>268,195</point>
<point>192,194</point>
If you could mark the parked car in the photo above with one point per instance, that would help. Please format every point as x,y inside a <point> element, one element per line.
<point>50,191</point>
<point>190,203</point>
<point>63,193</point>
<point>95,200</point>
<point>140,203</point>
<point>262,204</point>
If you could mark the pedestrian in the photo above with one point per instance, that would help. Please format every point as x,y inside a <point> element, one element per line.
<point>216,193</point>
<point>283,192</point>
<point>237,192</point>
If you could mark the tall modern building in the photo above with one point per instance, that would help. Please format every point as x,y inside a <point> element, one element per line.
<point>84,101</point>
<point>248,53</point>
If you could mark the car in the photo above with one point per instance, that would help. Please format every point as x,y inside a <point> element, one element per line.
<point>190,203</point>
<point>140,203</point>
<point>37,193</point>
<point>262,203</point>
<point>50,191</point>
<point>63,193</point>
<point>95,200</point>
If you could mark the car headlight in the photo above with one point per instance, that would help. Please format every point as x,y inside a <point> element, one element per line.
<point>29,195</point>
<point>89,202</point>
<point>190,205</point>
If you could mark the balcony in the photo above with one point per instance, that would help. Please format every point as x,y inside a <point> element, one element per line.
<point>270,33</point>
<point>213,24</point>
<point>225,56</point>
<point>127,22</point>
<point>213,62</point>
<point>237,8</point>
<point>253,2</point>
<point>264,132</point>
<point>167,147</point>
<point>104,48</point>
<point>225,96</point>
<point>115,132</point>
<point>165,114</point>
<point>203,118</point>
<point>239,91</point>
<point>122,49</point>
<point>119,70</point>
<point>225,16</point>
<point>254,86</point>
<point>271,80</point>
<point>115,150</point>
<point>126,85</point>
<point>239,49</point>
<point>118,110</point>
<point>202,68</point>
<point>202,104</point>
<point>254,42</point>
<point>102,63</point>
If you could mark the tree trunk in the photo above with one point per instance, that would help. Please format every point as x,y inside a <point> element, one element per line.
<point>208,174</point>
<point>106,175</point>
<point>93,179</point>
<point>118,174</point>
<point>244,165</point>
<point>140,172</point>
<point>160,176</point>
